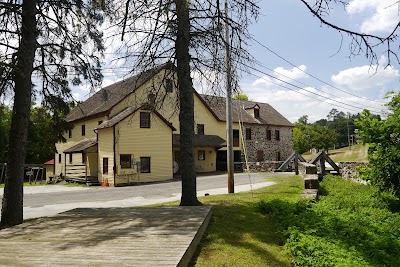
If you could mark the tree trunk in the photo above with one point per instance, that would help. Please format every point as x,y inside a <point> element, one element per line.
<point>12,205</point>
<point>186,111</point>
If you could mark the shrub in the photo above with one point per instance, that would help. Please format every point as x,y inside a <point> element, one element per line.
<point>351,225</point>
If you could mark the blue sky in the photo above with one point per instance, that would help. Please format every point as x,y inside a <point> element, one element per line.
<point>289,29</point>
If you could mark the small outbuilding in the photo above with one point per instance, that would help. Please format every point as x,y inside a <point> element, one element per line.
<point>49,165</point>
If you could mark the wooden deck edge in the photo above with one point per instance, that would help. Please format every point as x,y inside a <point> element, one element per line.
<point>187,256</point>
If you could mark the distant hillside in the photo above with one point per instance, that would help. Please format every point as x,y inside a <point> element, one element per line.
<point>356,153</point>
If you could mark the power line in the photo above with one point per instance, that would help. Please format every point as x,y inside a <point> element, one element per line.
<point>313,76</point>
<point>298,92</point>
<point>298,87</point>
<point>366,106</point>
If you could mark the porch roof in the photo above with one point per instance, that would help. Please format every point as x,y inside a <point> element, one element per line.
<point>201,140</point>
<point>81,146</point>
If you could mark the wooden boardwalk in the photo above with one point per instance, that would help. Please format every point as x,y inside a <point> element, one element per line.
<point>162,236</point>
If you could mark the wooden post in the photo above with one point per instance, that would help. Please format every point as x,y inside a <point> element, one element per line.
<point>322,163</point>
<point>65,165</point>
<point>84,155</point>
<point>296,163</point>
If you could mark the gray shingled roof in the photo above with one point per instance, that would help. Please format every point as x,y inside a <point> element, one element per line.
<point>268,115</point>
<point>127,112</point>
<point>201,140</point>
<point>117,118</point>
<point>81,146</point>
<point>105,99</point>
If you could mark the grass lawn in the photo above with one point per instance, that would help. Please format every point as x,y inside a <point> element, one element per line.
<point>357,153</point>
<point>239,235</point>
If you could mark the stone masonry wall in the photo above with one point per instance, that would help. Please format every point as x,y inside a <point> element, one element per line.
<point>348,170</point>
<point>265,166</point>
<point>270,147</point>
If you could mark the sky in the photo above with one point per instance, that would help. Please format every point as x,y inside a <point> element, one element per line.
<point>292,45</point>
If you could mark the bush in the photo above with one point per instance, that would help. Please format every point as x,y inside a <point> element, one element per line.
<point>352,225</point>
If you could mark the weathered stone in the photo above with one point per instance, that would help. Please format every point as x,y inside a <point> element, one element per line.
<point>348,170</point>
<point>307,168</point>
<point>265,166</point>
<point>273,150</point>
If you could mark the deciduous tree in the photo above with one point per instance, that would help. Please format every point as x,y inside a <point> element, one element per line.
<point>191,35</point>
<point>383,137</point>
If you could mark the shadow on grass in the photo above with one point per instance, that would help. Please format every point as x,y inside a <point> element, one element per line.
<point>236,236</point>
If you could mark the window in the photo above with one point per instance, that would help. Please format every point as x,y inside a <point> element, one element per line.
<point>69,133</point>
<point>70,158</point>
<point>145,164</point>
<point>202,155</point>
<point>144,120</point>
<point>269,134</point>
<point>278,156</point>
<point>100,122</point>
<point>200,129</point>
<point>125,161</point>
<point>168,86</point>
<point>277,135</point>
<point>256,113</point>
<point>260,155</point>
<point>59,158</point>
<point>83,130</point>
<point>235,138</point>
<point>105,165</point>
<point>83,157</point>
<point>248,133</point>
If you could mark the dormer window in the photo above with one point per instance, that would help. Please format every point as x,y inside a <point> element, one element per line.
<point>256,113</point>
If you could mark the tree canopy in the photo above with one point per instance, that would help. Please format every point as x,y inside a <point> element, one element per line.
<point>49,44</point>
<point>324,133</point>
<point>383,137</point>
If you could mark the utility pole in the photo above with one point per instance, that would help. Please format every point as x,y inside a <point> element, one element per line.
<point>229,131</point>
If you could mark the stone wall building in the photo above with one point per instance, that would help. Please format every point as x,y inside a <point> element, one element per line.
<point>267,134</point>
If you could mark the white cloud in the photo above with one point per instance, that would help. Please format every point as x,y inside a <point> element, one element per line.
<point>316,102</point>
<point>294,73</point>
<point>76,96</point>
<point>287,75</point>
<point>381,15</point>
<point>365,77</point>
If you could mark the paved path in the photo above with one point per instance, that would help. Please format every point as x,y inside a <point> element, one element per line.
<point>165,236</point>
<point>49,200</point>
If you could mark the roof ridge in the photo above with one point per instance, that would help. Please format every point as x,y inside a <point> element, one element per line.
<point>98,104</point>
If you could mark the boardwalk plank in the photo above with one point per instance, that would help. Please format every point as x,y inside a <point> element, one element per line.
<point>162,236</point>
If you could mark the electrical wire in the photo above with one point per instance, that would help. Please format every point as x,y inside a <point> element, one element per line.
<point>313,76</point>
<point>304,94</point>
<point>349,101</point>
<point>298,87</point>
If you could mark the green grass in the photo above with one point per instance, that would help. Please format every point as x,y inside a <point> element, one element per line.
<point>357,153</point>
<point>239,235</point>
<point>75,184</point>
